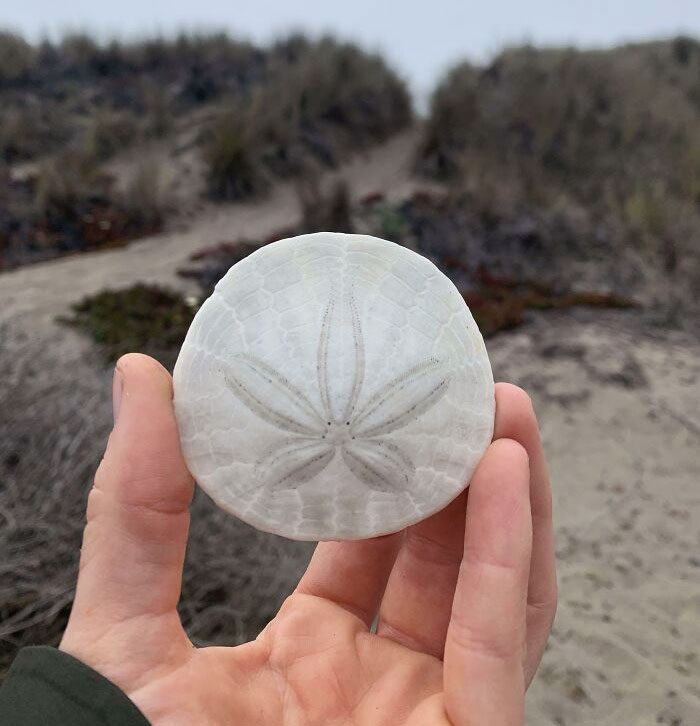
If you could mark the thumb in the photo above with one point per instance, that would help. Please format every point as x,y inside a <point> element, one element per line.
<point>137,515</point>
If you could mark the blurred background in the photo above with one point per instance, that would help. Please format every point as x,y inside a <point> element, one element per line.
<point>546,156</point>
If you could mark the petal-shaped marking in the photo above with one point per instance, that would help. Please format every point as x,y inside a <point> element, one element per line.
<point>379,464</point>
<point>359,373</point>
<point>402,400</point>
<point>272,397</point>
<point>294,463</point>
<point>322,360</point>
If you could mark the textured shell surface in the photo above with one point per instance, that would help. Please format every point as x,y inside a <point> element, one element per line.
<point>334,386</point>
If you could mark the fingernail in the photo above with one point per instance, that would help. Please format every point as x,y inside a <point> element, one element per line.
<point>117,385</point>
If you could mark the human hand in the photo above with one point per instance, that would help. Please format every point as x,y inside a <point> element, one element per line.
<point>463,617</point>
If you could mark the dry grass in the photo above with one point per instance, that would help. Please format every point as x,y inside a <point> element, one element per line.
<point>69,204</point>
<point>18,57</point>
<point>78,207</point>
<point>53,430</point>
<point>144,198</point>
<point>319,102</point>
<point>28,131</point>
<point>53,87</point>
<point>109,132</point>
<point>608,138</point>
<point>268,113</point>
<point>232,155</point>
<point>567,117</point>
<point>324,210</point>
<point>132,90</point>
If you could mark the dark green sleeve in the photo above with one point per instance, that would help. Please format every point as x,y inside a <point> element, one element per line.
<point>47,686</point>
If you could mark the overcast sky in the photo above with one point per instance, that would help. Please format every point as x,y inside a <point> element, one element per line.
<point>420,37</point>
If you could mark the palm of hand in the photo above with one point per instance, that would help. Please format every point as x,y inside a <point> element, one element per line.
<point>462,619</point>
<point>315,664</point>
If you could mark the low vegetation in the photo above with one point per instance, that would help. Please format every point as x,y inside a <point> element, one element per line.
<point>145,318</point>
<point>497,301</point>
<point>103,88</point>
<point>319,102</point>
<point>251,115</point>
<point>607,142</point>
<point>70,204</point>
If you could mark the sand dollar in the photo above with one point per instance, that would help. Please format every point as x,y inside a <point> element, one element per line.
<point>333,386</point>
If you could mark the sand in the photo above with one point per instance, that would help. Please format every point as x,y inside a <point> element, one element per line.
<point>617,398</point>
<point>617,403</point>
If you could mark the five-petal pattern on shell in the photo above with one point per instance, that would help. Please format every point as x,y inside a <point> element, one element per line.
<point>314,436</point>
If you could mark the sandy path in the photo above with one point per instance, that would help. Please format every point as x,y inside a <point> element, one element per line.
<point>44,289</point>
<point>617,402</point>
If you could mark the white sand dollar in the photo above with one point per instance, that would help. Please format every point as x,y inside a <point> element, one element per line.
<point>334,386</point>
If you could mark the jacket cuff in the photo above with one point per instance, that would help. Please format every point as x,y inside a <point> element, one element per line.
<point>47,686</point>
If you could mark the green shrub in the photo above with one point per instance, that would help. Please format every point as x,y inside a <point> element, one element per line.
<point>142,318</point>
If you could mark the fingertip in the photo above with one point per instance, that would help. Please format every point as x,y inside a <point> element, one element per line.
<point>498,509</point>
<point>143,367</point>
<point>515,394</point>
<point>511,451</point>
<point>514,407</point>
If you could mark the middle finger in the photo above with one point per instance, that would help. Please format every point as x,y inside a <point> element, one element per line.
<point>415,609</point>
<point>417,603</point>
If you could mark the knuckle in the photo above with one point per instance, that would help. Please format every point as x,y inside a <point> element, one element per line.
<point>430,550</point>
<point>497,645</point>
<point>543,611</point>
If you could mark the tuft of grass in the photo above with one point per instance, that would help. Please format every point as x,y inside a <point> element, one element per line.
<point>144,318</point>
<point>28,131</point>
<point>156,101</point>
<point>109,132</point>
<point>74,206</point>
<point>231,154</point>
<point>324,210</point>
<point>143,198</point>
<point>319,101</point>
<point>65,185</point>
